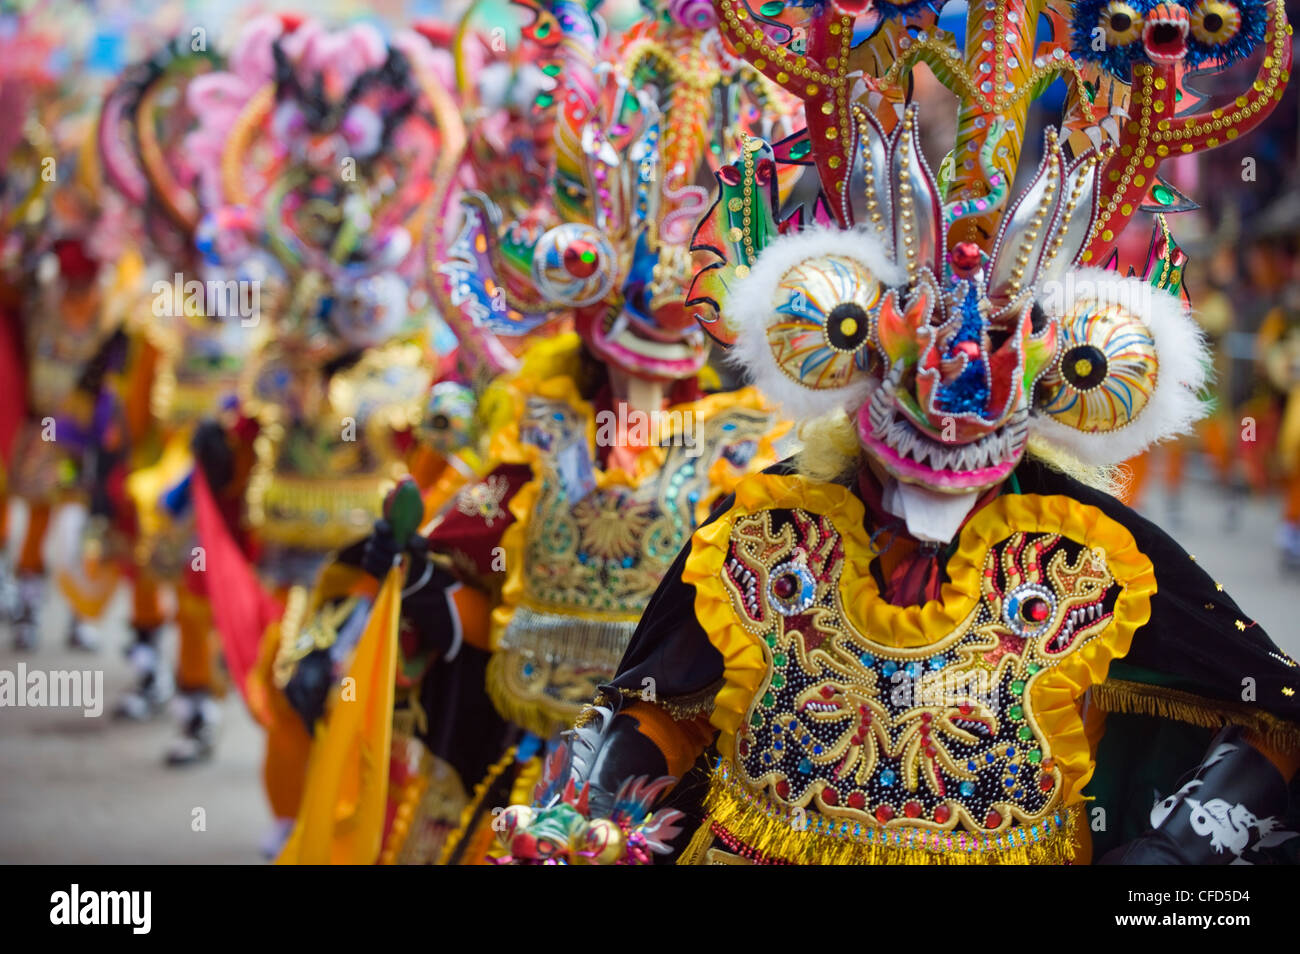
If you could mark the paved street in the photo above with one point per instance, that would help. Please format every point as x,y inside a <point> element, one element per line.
<point>74,789</point>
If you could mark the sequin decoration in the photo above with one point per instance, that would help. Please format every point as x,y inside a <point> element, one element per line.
<point>939,736</point>
<point>824,307</point>
<point>595,547</point>
<point>791,588</point>
<point>1107,370</point>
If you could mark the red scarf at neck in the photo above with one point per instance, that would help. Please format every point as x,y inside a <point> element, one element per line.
<point>917,577</point>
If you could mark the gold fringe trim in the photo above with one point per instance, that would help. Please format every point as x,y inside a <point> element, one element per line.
<point>1135,698</point>
<point>701,841</point>
<point>561,647</point>
<point>400,830</point>
<point>521,793</point>
<point>771,832</point>
<point>480,792</point>
<point>681,708</point>
<point>685,708</point>
<point>535,713</point>
<point>565,637</point>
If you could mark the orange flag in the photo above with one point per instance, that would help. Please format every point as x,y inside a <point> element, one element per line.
<point>341,820</point>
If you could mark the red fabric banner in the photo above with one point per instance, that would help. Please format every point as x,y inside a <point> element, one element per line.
<point>241,609</point>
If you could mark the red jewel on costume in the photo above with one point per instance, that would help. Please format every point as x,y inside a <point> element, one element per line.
<point>965,258</point>
<point>912,809</point>
<point>785,586</point>
<point>884,813</point>
<point>1037,610</point>
<point>581,259</point>
<point>857,800</point>
<point>942,813</point>
<point>993,819</point>
<point>830,796</point>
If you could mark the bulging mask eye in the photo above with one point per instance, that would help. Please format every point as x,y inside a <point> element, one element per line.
<point>1121,23</point>
<point>804,317</point>
<point>573,265</point>
<point>1107,370</point>
<point>1215,22</point>
<point>1130,361</point>
<point>824,307</point>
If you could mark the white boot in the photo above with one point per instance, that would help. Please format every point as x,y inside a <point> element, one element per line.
<point>10,602</point>
<point>200,721</point>
<point>27,623</point>
<point>154,685</point>
<point>83,636</point>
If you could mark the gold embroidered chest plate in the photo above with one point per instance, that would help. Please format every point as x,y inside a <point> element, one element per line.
<point>956,718</point>
<point>593,545</point>
<point>599,542</point>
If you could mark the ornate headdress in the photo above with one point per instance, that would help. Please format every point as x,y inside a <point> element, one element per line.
<point>339,148</point>
<point>608,242</point>
<point>303,171</point>
<point>956,317</point>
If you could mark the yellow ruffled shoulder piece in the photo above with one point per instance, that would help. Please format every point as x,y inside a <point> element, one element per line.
<point>745,663</point>
<point>1054,691</point>
<point>506,446</point>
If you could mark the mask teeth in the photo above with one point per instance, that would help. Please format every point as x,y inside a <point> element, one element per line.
<point>890,427</point>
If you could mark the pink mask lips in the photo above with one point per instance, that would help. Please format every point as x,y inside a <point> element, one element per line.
<point>913,457</point>
<point>675,359</point>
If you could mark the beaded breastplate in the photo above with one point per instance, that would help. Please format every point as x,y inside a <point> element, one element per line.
<point>870,728</point>
<point>591,545</point>
<point>200,367</point>
<point>323,469</point>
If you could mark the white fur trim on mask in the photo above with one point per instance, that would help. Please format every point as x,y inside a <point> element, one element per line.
<point>1182,365</point>
<point>749,312</point>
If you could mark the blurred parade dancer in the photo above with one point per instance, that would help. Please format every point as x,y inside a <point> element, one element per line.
<point>66,287</point>
<point>327,153</point>
<point>184,350</point>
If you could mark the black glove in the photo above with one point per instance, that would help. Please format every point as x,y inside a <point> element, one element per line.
<point>309,686</point>
<point>1235,798</point>
<point>213,455</point>
<point>381,551</point>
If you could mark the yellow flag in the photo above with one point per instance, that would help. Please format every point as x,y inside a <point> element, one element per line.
<point>341,820</point>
